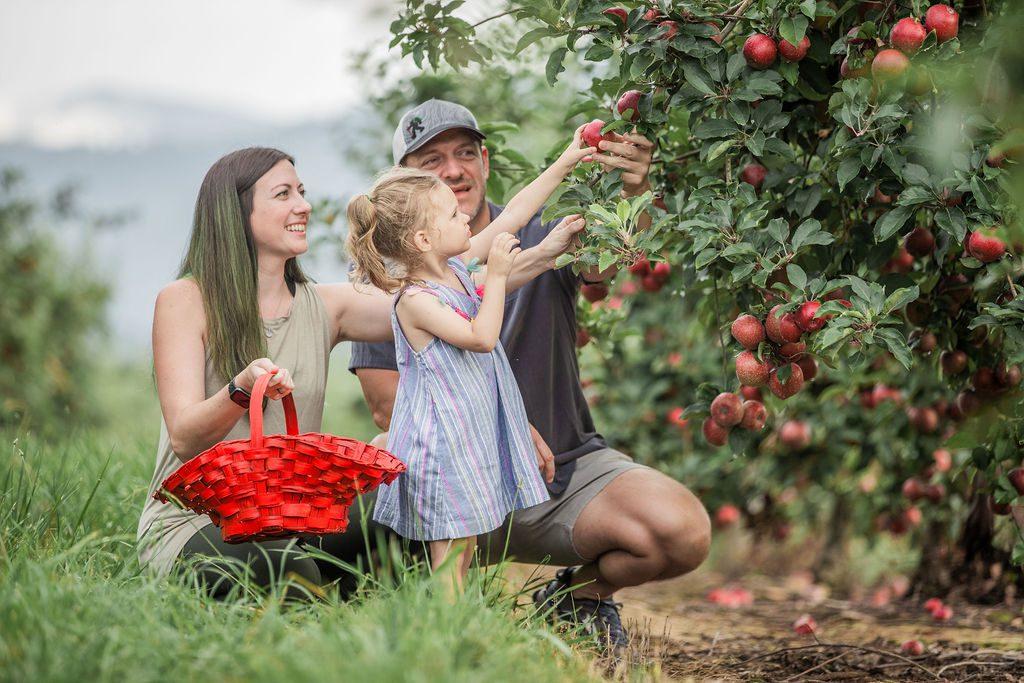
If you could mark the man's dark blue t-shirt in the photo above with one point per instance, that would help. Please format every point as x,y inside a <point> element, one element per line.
<point>539,337</point>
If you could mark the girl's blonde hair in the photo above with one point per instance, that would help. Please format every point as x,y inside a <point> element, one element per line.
<point>383,221</point>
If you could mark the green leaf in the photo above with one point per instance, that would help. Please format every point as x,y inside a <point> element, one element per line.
<point>698,78</point>
<point>900,298</point>
<point>719,149</point>
<point>792,29</point>
<point>797,276</point>
<point>848,170</point>
<point>564,260</point>
<point>554,65</point>
<point>715,128</point>
<point>598,52</point>
<point>531,37</point>
<point>705,257</point>
<point>606,260</point>
<point>889,224</point>
<point>778,228</point>
<point>806,230</point>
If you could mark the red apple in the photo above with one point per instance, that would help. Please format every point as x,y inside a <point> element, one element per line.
<point>795,435</point>
<point>943,460</point>
<point>594,292</point>
<point>640,267</point>
<point>754,416</point>
<point>1016,477</point>
<point>760,51</point>
<point>809,367</point>
<point>716,434</point>
<point>754,174</point>
<point>942,19</point>
<point>676,419</point>
<point>782,329</point>
<point>847,71</point>
<point>651,284</point>
<point>920,242</point>
<point>932,604</point>
<point>913,648</point>
<point>889,65</point>
<point>985,248</point>
<point>582,338</point>
<point>953,362</point>
<point>752,393</point>
<point>908,35</point>
<point>727,409</point>
<point>806,317</point>
<point>670,29</point>
<point>592,133</point>
<point>748,331</point>
<point>629,101</point>
<point>944,613</point>
<point>618,13</point>
<point>750,371</point>
<point>794,53</point>
<point>661,271</point>
<point>727,515</point>
<point>805,625</point>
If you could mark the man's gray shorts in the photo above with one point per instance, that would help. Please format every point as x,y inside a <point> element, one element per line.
<point>543,533</point>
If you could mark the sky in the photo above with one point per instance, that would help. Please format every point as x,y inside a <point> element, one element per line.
<point>279,61</point>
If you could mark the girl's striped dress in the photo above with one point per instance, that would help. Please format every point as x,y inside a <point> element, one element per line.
<point>460,427</point>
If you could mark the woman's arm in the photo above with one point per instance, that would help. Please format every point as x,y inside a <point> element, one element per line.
<point>357,312</point>
<point>530,199</point>
<point>194,423</point>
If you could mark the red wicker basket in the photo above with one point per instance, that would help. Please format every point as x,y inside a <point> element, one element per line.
<point>279,485</point>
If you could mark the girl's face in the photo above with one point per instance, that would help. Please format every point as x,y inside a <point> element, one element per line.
<point>451,226</point>
<point>280,212</point>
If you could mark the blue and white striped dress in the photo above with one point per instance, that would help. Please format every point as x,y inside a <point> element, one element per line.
<point>460,427</point>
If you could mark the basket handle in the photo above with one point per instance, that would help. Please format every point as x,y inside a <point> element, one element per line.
<point>291,420</point>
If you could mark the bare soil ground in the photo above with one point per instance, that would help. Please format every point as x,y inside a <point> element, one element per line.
<point>679,634</point>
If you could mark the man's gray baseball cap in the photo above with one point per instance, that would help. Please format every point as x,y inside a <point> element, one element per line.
<point>421,124</point>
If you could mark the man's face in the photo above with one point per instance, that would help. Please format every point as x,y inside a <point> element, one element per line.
<point>457,157</point>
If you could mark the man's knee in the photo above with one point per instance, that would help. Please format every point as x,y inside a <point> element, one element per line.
<point>682,532</point>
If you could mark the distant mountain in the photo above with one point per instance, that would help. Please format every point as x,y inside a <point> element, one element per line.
<point>154,174</point>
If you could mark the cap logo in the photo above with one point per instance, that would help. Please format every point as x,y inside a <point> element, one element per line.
<point>414,127</point>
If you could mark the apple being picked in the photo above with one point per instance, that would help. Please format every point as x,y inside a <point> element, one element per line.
<point>630,101</point>
<point>592,133</point>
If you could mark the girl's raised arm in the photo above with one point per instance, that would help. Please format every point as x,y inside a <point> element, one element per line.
<point>530,199</point>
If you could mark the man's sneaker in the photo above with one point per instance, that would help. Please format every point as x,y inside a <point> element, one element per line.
<point>598,617</point>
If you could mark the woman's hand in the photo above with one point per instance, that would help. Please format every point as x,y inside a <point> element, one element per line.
<point>503,253</point>
<point>281,384</point>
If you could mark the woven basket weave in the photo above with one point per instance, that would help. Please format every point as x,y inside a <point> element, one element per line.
<point>279,485</point>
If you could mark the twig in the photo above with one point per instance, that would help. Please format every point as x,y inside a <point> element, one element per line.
<point>1013,288</point>
<point>721,341</point>
<point>744,6</point>
<point>968,662</point>
<point>815,667</point>
<point>496,16</point>
<point>845,646</point>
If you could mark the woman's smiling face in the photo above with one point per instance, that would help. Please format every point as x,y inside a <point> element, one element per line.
<point>280,212</point>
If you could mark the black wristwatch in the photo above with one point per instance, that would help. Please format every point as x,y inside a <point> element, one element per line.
<point>238,394</point>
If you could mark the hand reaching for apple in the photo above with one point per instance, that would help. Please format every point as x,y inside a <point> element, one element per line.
<point>574,153</point>
<point>632,153</point>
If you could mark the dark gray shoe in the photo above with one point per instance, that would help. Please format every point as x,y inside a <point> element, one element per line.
<point>600,618</point>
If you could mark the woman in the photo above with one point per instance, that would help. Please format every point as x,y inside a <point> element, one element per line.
<point>240,307</point>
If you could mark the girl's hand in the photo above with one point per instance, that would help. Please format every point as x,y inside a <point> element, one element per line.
<point>503,253</point>
<point>575,152</point>
<point>280,385</point>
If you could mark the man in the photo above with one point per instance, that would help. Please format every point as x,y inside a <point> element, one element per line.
<point>612,522</point>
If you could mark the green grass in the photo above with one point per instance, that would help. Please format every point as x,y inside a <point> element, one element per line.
<point>75,605</point>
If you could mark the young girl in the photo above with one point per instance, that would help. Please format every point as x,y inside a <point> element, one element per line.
<point>458,421</point>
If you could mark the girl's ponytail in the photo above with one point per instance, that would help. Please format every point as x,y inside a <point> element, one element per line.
<point>370,265</point>
<point>382,224</point>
